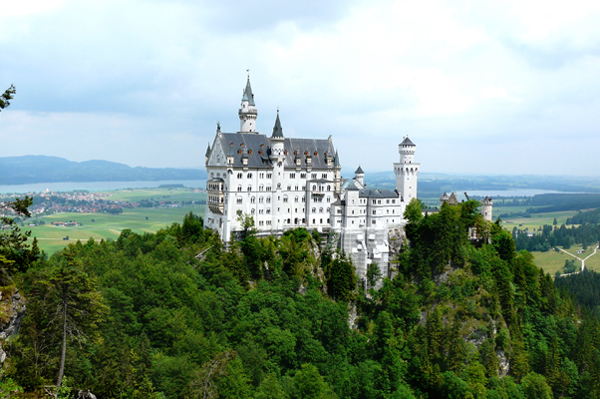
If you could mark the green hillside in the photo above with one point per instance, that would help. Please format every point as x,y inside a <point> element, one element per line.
<point>176,315</point>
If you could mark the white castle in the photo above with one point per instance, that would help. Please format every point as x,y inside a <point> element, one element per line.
<point>285,183</point>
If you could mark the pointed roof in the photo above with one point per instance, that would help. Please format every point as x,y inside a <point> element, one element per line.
<point>208,150</point>
<point>336,160</point>
<point>407,141</point>
<point>248,96</point>
<point>277,130</point>
<point>359,171</point>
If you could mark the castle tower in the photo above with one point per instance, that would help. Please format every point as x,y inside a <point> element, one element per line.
<point>486,209</point>
<point>337,172</point>
<point>406,171</point>
<point>277,157</point>
<point>359,176</point>
<point>247,111</point>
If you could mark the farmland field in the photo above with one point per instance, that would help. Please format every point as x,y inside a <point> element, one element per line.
<point>108,226</point>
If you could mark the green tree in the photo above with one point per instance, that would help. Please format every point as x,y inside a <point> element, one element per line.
<point>79,305</point>
<point>373,274</point>
<point>535,387</point>
<point>310,384</point>
<point>15,254</point>
<point>6,97</point>
<point>414,211</point>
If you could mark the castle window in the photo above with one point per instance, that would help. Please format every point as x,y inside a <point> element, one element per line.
<point>374,202</point>
<point>261,187</point>
<point>296,199</point>
<point>239,175</point>
<point>328,187</point>
<point>261,200</point>
<point>269,175</point>
<point>324,175</point>
<point>289,188</point>
<point>393,201</point>
<point>268,211</point>
<point>240,188</point>
<point>249,176</point>
<point>314,210</point>
<point>285,199</point>
<point>387,201</point>
<point>253,200</point>
<point>292,175</point>
<point>268,200</point>
<point>313,221</point>
<point>239,200</point>
<point>303,175</point>
<point>240,152</point>
<point>250,152</point>
<point>314,188</point>
<point>373,222</point>
<point>313,176</point>
<point>374,212</point>
<point>296,188</point>
<point>252,211</point>
<point>320,210</point>
<point>249,188</point>
<point>321,221</point>
<point>278,186</point>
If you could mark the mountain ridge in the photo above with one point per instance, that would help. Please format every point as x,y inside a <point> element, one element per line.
<point>50,169</point>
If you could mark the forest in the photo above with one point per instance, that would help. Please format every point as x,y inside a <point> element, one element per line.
<point>552,236</point>
<point>177,315</point>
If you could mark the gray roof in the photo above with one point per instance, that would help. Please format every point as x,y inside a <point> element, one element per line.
<point>359,170</point>
<point>407,141</point>
<point>277,130</point>
<point>248,96</point>
<point>208,151</point>
<point>377,193</point>
<point>255,143</point>
<point>336,160</point>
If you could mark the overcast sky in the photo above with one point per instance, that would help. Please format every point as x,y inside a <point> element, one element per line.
<point>481,87</point>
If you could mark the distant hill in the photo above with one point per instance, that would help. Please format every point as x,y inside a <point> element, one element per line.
<point>44,169</point>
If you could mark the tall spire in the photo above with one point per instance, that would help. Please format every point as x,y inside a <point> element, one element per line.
<point>248,96</point>
<point>247,111</point>
<point>277,130</point>
<point>336,160</point>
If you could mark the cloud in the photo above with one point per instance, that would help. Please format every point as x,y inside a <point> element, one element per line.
<point>461,78</point>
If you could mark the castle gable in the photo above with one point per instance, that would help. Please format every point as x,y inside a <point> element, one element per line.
<point>217,155</point>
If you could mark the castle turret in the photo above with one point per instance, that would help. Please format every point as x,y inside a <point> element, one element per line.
<point>337,171</point>
<point>247,112</point>
<point>486,208</point>
<point>277,156</point>
<point>407,171</point>
<point>359,176</point>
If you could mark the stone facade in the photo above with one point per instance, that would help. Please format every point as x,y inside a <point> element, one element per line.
<point>284,183</point>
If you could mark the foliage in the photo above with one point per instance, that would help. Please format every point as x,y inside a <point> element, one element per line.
<point>6,97</point>
<point>269,318</point>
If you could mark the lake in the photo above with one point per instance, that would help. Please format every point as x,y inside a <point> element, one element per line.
<point>95,186</point>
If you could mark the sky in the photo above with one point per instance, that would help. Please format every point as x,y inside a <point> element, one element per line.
<point>498,88</point>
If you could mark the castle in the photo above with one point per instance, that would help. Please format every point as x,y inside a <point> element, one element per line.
<point>284,183</point>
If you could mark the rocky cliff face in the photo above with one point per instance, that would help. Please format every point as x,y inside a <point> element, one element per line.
<point>12,311</point>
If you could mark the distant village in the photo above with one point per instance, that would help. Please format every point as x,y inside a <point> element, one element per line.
<point>51,202</point>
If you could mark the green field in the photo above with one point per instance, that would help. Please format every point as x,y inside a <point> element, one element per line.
<point>553,261</point>
<point>106,226</point>
<point>536,220</point>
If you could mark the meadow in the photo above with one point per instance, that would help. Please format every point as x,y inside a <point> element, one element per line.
<point>106,226</point>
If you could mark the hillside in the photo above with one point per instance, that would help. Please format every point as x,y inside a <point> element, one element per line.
<point>286,318</point>
<point>44,169</point>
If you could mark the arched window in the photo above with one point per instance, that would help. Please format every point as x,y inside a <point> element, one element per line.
<point>320,210</point>
<point>240,188</point>
<point>252,211</point>
<point>239,200</point>
<point>314,188</point>
<point>261,188</point>
<point>314,210</point>
<point>249,188</point>
<point>328,187</point>
<point>285,198</point>
<point>260,200</point>
<point>296,199</point>
<point>268,200</point>
<point>253,200</point>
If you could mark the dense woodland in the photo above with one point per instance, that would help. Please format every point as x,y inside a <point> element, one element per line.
<point>176,315</point>
<point>553,236</point>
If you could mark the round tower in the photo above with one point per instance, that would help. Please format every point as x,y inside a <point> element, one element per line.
<point>486,208</point>
<point>277,157</point>
<point>247,111</point>
<point>406,171</point>
<point>359,176</point>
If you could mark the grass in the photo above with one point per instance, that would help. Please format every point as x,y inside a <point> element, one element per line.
<point>105,226</point>
<point>553,261</point>
<point>536,220</point>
